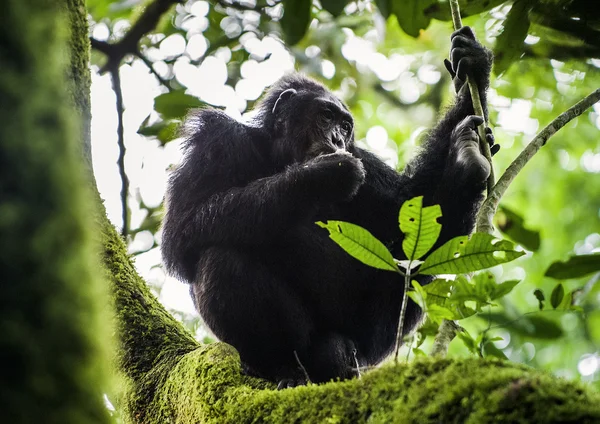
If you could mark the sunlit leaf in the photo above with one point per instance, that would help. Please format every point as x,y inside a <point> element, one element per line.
<point>461,255</point>
<point>360,244</point>
<point>574,267</point>
<point>295,20</point>
<point>420,227</point>
<point>512,224</point>
<point>438,294</point>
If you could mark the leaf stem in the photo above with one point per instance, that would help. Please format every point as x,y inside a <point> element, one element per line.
<point>402,310</point>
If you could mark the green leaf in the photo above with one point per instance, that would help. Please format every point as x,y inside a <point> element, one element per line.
<point>295,20</point>
<point>411,15</point>
<point>574,267</point>
<point>511,224</point>
<point>593,326</point>
<point>468,341</point>
<point>509,44</point>
<point>441,10</point>
<point>534,326</point>
<point>384,7</point>
<point>461,255</point>
<point>420,227</point>
<point>503,289</point>
<point>557,295</point>
<point>164,131</point>
<point>335,7</point>
<point>175,104</point>
<point>360,244</point>
<point>539,295</point>
<point>490,350</point>
<point>438,294</point>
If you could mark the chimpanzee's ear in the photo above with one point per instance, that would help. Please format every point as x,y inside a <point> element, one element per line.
<point>287,94</point>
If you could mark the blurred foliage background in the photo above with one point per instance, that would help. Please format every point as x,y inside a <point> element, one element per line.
<point>384,58</point>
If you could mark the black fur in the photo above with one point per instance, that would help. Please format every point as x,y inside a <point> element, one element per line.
<point>241,212</point>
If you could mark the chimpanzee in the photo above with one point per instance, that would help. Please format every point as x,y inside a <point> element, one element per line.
<point>241,212</point>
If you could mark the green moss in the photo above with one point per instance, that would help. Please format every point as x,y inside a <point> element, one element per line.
<point>53,335</point>
<point>78,73</point>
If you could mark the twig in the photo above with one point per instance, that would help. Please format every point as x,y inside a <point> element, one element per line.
<point>116,82</point>
<point>302,367</point>
<point>489,207</point>
<point>149,65</point>
<point>475,99</point>
<point>402,311</point>
<point>129,43</point>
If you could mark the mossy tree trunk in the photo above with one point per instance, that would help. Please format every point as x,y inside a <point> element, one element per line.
<point>51,305</point>
<point>53,336</point>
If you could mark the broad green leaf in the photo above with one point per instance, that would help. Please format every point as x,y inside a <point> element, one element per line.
<point>175,104</point>
<point>360,244</point>
<point>295,20</point>
<point>335,7</point>
<point>512,224</point>
<point>574,267</point>
<point>461,255</point>
<point>420,227</point>
<point>557,295</point>
<point>411,14</point>
<point>509,44</point>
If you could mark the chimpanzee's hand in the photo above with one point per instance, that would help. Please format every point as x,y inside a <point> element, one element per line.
<point>470,58</point>
<point>465,151</point>
<point>337,176</point>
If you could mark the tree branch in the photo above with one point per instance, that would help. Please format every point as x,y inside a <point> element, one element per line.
<point>488,209</point>
<point>116,82</point>
<point>147,62</point>
<point>446,333</point>
<point>129,43</point>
